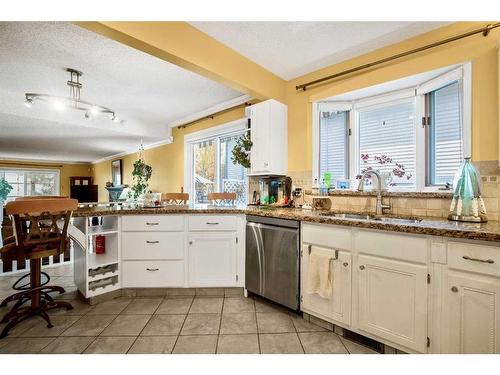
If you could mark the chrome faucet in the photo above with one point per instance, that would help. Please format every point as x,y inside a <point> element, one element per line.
<point>380,206</point>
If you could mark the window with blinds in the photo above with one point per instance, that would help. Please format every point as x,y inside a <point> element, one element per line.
<point>387,138</point>
<point>444,134</point>
<point>333,144</point>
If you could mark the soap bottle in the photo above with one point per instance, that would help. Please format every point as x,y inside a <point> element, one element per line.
<point>315,187</point>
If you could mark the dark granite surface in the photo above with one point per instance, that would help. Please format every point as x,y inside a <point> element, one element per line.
<point>429,226</point>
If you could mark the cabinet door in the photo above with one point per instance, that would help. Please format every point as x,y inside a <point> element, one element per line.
<point>392,300</point>
<point>472,313</point>
<point>260,123</point>
<point>212,260</point>
<point>338,308</point>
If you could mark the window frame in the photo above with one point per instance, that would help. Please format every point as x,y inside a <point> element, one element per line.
<point>461,72</point>
<point>227,129</point>
<point>57,172</point>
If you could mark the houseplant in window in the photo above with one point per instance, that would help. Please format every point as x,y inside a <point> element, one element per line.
<point>5,189</point>
<point>241,150</point>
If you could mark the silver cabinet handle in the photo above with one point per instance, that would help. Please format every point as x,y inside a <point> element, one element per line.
<point>214,223</point>
<point>152,269</point>
<point>152,242</point>
<point>152,223</point>
<point>454,289</point>
<point>490,261</point>
<point>361,268</point>
<point>345,264</point>
<point>190,242</point>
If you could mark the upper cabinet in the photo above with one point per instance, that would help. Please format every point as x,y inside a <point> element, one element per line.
<point>269,154</point>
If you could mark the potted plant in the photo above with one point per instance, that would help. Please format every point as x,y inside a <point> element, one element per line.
<point>5,189</point>
<point>141,174</point>
<point>241,150</point>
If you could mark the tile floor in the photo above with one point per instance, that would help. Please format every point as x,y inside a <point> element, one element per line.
<point>173,324</point>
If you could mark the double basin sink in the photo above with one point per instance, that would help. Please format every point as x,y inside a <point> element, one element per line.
<point>397,220</point>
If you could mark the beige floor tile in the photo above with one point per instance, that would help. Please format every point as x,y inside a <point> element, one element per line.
<point>60,324</point>
<point>280,343</point>
<point>206,305</point>
<point>68,345</point>
<point>201,324</point>
<point>264,306</point>
<point>238,305</point>
<point>79,308</point>
<point>355,348</point>
<point>274,323</point>
<point>22,327</point>
<point>238,344</point>
<point>205,344</point>
<point>126,325</point>
<point>143,306</point>
<point>302,325</point>
<point>25,345</point>
<point>175,306</point>
<point>238,323</point>
<point>111,307</point>
<point>163,325</point>
<point>153,345</point>
<point>69,295</point>
<point>151,292</point>
<point>89,325</point>
<point>233,292</point>
<point>210,292</point>
<point>173,292</point>
<point>322,343</point>
<point>110,345</point>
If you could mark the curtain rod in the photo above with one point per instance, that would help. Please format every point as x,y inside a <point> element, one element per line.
<point>246,104</point>
<point>484,30</point>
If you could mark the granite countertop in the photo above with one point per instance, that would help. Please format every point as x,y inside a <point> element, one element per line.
<point>489,231</point>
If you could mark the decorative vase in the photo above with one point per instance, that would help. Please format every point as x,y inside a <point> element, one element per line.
<point>467,204</point>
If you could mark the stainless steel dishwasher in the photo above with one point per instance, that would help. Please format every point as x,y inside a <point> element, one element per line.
<point>273,259</point>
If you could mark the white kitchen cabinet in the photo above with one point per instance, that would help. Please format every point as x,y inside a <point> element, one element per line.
<point>269,154</point>
<point>392,300</point>
<point>212,259</point>
<point>472,313</point>
<point>338,308</point>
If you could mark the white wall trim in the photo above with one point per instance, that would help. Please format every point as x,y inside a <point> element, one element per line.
<point>34,161</point>
<point>209,111</point>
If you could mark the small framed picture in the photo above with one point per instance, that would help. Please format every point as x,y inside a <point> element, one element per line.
<point>342,184</point>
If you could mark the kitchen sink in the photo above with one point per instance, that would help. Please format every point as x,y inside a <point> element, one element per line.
<point>398,220</point>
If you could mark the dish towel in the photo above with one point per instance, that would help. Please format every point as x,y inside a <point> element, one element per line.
<point>320,280</point>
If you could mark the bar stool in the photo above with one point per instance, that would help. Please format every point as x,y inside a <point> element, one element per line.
<point>175,198</point>
<point>222,199</point>
<point>41,230</point>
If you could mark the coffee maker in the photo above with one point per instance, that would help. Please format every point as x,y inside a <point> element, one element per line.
<point>274,190</point>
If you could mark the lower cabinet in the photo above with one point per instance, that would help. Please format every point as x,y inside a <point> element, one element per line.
<point>212,260</point>
<point>472,313</point>
<point>392,300</point>
<point>338,308</point>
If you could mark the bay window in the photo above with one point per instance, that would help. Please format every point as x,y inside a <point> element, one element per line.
<point>28,182</point>
<point>415,136</point>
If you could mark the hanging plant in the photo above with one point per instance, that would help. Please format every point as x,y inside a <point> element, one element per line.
<point>241,149</point>
<point>141,174</point>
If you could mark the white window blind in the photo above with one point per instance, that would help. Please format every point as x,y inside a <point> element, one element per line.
<point>444,134</point>
<point>333,156</point>
<point>389,130</point>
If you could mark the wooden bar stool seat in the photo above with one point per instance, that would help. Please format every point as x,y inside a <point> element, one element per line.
<point>222,199</point>
<point>175,198</point>
<point>41,230</point>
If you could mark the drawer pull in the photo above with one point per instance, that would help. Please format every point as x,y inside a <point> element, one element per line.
<point>490,261</point>
<point>152,242</point>
<point>361,267</point>
<point>152,223</point>
<point>152,269</point>
<point>454,289</point>
<point>345,264</point>
<point>214,223</point>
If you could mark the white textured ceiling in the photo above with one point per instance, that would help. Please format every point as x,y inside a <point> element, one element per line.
<point>146,92</point>
<point>291,49</point>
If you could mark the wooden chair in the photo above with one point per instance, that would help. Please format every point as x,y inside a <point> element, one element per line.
<point>222,199</point>
<point>41,230</point>
<point>175,198</point>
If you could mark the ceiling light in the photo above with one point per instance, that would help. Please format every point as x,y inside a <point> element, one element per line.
<point>58,105</point>
<point>28,102</point>
<point>116,119</point>
<point>88,115</point>
<point>94,110</point>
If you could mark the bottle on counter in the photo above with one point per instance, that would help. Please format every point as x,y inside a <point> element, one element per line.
<point>315,187</point>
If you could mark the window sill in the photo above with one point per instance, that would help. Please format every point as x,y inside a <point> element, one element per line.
<point>398,194</point>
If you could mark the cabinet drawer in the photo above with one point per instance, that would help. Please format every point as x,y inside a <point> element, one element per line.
<point>167,223</point>
<point>396,246</point>
<point>212,223</point>
<point>474,258</point>
<point>152,274</point>
<point>152,245</point>
<point>328,236</point>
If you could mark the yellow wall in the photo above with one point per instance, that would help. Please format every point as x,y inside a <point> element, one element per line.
<point>65,170</point>
<point>167,161</point>
<point>478,49</point>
